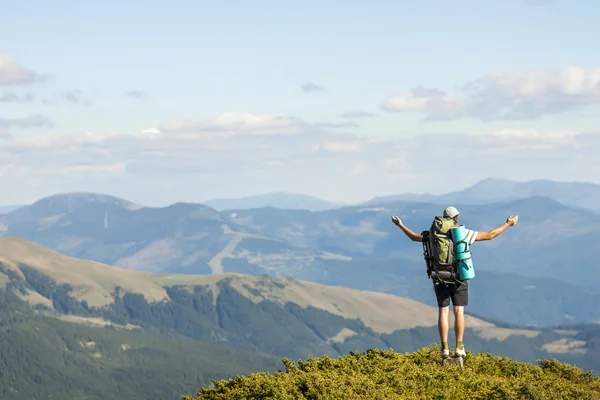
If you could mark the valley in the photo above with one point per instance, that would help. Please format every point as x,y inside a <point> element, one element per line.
<point>260,299</point>
<point>353,246</point>
<point>276,316</point>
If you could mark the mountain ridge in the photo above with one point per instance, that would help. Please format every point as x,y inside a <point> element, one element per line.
<point>584,195</point>
<point>333,246</point>
<point>490,189</point>
<point>95,282</point>
<point>276,316</point>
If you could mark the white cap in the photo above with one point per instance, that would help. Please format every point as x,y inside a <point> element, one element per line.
<point>451,212</point>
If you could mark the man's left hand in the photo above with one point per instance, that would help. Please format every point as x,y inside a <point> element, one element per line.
<point>397,221</point>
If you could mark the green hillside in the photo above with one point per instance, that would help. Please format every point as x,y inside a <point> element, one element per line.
<point>523,300</point>
<point>386,374</point>
<point>279,316</point>
<point>77,328</point>
<point>49,358</point>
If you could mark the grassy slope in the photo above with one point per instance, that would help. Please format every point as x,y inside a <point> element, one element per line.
<point>43,358</point>
<point>249,312</point>
<point>94,282</point>
<point>239,314</point>
<point>389,375</point>
<point>504,297</point>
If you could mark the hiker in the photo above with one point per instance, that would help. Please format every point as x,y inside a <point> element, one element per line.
<point>456,290</point>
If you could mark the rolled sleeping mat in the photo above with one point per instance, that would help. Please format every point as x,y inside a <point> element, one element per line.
<point>463,253</point>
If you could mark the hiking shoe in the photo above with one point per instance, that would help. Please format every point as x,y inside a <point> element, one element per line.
<point>460,352</point>
<point>445,354</point>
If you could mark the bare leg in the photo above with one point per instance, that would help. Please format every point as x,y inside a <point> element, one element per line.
<point>443,314</point>
<point>459,323</point>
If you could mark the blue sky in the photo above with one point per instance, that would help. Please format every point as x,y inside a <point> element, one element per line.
<point>216,106</point>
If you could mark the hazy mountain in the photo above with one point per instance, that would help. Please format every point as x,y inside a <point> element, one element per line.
<point>342,247</point>
<point>9,208</point>
<point>549,237</point>
<point>273,315</point>
<point>288,201</point>
<point>492,190</point>
<point>182,237</point>
<point>70,202</point>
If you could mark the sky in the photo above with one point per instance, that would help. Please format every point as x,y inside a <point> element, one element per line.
<point>160,102</point>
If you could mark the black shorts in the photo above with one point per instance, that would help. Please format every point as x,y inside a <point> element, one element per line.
<point>458,293</point>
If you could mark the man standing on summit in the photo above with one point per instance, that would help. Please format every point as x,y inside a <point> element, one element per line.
<point>455,290</point>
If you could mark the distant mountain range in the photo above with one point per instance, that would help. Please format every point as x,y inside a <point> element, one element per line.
<point>354,246</point>
<point>492,190</point>
<point>183,237</point>
<point>9,208</point>
<point>530,249</point>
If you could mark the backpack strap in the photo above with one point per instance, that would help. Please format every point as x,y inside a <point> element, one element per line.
<point>427,252</point>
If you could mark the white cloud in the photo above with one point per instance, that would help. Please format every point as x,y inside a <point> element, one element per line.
<point>407,103</point>
<point>360,169</point>
<point>507,141</point>
<point>352,146</point>
<point>12,73</point>
<point>513,95</point>
<point>136,94</point>
<point>523,140</point>
<point>237,122</point>
<point>12,97</point>
<point>310,87</point>
<point>155,165</point>
<point>273,163</point>
<point>531,135</point>
<point>327,125</point>
<point>357,114</point>
<point>81,169</point>
<point>63,141</point>
<point>75,97</point>
<point>32,121</point>
<point>110,168</point>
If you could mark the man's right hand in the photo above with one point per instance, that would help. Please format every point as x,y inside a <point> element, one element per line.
<point>512,221</point>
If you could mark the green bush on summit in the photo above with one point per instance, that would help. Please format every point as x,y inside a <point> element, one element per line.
<point>385,374</point>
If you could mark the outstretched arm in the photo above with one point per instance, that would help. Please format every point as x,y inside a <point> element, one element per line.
<point>415,237</point>
<point>510,221</point>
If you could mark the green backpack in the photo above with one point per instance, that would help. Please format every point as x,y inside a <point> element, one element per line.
<point>441,244</point>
